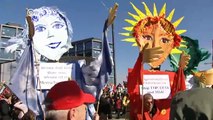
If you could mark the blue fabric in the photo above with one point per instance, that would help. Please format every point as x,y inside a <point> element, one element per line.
<point>23,82</point>
<point>97,73</point>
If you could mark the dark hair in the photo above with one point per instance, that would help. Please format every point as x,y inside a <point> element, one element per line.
<point>147,95</point>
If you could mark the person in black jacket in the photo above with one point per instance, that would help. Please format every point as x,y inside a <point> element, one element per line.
<point>4,110</point>
<point>105,107</point>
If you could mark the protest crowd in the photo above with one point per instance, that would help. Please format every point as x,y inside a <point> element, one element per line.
<point>148,94</point>
<point>114,103</point>
<point>114,100</point>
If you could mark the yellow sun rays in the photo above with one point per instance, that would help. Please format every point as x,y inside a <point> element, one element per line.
<point>140,15</point>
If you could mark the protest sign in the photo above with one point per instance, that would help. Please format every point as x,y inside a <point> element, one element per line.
<point>52,73</point>
<point>157,85</point>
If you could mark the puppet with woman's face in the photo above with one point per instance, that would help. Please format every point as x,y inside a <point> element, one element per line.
<point>154,34</point>
<point>52,36</point>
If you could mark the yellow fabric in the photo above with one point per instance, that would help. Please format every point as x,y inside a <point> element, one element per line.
<point>125,101</point>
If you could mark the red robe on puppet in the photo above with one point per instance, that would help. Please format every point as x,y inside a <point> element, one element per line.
<point>135,78</point>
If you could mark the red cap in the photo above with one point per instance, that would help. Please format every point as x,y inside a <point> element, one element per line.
<point>66,95</point>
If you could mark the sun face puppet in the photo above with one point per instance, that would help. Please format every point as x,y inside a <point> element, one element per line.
<point>154,32</point>
<point>156,36</point>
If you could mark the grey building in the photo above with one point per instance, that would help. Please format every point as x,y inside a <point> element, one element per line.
<point>87,49</point>
<point>7,60</point>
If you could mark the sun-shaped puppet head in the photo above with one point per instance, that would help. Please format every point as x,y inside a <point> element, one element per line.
<point>155,29</point>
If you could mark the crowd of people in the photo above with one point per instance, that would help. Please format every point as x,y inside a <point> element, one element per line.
<point>69,105</point>
<point>155,36</point>
<point>72,104</point>
<point>114,100</point>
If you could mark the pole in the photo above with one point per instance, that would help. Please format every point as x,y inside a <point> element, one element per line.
<point>212,54</point>
<point>0,73</point>
<point>142,109</point>
<point>113,42</point>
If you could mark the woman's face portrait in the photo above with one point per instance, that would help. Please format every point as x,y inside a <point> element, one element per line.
<point>156,36</point>
<point>51,34</point>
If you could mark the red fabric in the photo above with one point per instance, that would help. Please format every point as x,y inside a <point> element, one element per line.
<point>146,116</point>
<point>179,83</point>
<point>66,95</point>
<point>163,110</point>
<point>135,78</point>
<point>118,104</point>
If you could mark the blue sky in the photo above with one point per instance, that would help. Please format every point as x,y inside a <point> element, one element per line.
<point>87,18</point>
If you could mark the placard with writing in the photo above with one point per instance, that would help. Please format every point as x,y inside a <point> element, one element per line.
<point>157,85</point>
<point>52,73</point>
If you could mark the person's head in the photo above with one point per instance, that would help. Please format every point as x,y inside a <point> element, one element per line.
<point>154,29</point>
<point>192,104</point>
<point>148,102</point>
<point>53,32</point>
<point>66,101</point>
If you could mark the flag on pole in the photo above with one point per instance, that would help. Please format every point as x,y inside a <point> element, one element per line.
<point>96,74</point>
<point>93,77</point>
<point>23,82</point>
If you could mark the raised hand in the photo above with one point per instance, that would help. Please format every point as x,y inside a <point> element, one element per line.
<point>184,60</point>
<point>151,54</point>
<point>112,15</point>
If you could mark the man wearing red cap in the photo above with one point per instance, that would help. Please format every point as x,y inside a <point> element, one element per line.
<point>66,101</point>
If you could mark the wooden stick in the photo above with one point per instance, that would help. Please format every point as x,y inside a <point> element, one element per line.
<point>142,102</point>
<point>98,104</point>
<point>31,31</point>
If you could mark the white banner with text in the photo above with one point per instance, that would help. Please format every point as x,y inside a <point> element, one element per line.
<point>157,85</point>
<point>52,73</point>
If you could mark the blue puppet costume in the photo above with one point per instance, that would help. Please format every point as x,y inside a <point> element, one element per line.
<point>47,39</point>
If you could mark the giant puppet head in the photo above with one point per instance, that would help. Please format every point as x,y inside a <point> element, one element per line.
<point>153,29</point>
<point>53,32</point>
